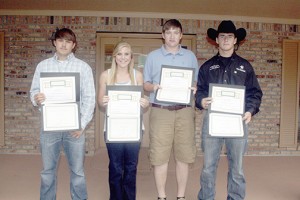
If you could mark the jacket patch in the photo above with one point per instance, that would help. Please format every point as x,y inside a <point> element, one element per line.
<point>214,67</point>
<point>241,68</point>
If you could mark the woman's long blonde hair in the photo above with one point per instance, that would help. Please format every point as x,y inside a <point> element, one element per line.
<point>112,76</point>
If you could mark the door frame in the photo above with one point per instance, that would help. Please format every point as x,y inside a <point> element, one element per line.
<point>2,142</point>
<point>100,68</point>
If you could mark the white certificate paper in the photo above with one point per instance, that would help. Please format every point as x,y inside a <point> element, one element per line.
<point>60,117</point>
<point>176,83</point>
<point>60,110</point>
<point>226,110</point>
<point>58,89</point>
<point>123,117</point>
<point>228,99</point>
<point>225,125</point>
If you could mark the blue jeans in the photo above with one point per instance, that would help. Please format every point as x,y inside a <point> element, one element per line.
<point>123,160</point>
<point>51,144</point>
<point>235,149</point>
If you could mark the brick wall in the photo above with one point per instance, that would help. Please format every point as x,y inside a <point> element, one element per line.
<point>26,44</point>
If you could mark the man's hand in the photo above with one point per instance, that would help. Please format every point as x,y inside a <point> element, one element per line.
<point>39,98</point>
<point>76,134</point>
<point>156,87</point>
<point>247,117</point>
<point>205,102</point>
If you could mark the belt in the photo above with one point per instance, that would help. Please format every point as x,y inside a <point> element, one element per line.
<point>170,108</point>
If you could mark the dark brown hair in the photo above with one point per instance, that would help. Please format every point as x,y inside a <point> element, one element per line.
<point>171,23</point>
<point>66,34</point>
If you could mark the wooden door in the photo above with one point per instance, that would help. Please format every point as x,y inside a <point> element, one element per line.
<point>141,45</point>
<point>290,94</point>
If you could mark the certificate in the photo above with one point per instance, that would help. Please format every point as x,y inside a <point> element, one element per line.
<point>60,87</point>
<point>60,110</point>
<point>58,117</point>
<point>176,83</point>
<point>123,115</point>
<point>225,125</point>
<point>226,110</point>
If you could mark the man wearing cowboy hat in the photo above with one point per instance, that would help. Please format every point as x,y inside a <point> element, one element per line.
<point>230,69</point>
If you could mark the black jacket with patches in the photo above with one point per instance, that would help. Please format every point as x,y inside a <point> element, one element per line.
<point>238,72</point>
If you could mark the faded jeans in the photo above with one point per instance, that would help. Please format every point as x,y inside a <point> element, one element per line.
<point>235,149</point>
<point>51,144</point>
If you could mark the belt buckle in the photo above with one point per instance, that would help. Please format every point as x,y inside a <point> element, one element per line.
<point>174,107</point>
<point>171,108</point>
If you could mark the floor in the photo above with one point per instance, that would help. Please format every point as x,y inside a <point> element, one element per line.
<point>268,178</point>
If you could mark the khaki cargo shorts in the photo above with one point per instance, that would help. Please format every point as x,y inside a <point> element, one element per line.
<point>172,130</point>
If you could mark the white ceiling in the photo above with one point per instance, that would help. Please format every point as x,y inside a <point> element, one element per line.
<point>287,10</point>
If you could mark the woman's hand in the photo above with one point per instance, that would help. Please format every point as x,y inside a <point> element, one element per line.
<point>105,100</point>
<point>194,89</point>
<point>144,102</point>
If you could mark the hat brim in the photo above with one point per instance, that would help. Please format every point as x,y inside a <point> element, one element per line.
<point>212,33</point>
<point>239,33</point>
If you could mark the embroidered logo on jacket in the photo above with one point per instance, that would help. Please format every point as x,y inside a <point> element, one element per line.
<point>214,67</point>
<point>241,68</point>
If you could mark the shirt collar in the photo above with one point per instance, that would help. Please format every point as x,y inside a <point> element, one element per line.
<point>70,56</point>
<point>165,52</point>
<point>232,56</point>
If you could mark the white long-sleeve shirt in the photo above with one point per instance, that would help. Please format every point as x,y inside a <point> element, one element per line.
<point>87,87</point>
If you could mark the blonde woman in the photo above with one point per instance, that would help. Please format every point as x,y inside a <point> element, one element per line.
<point>123,157</point>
